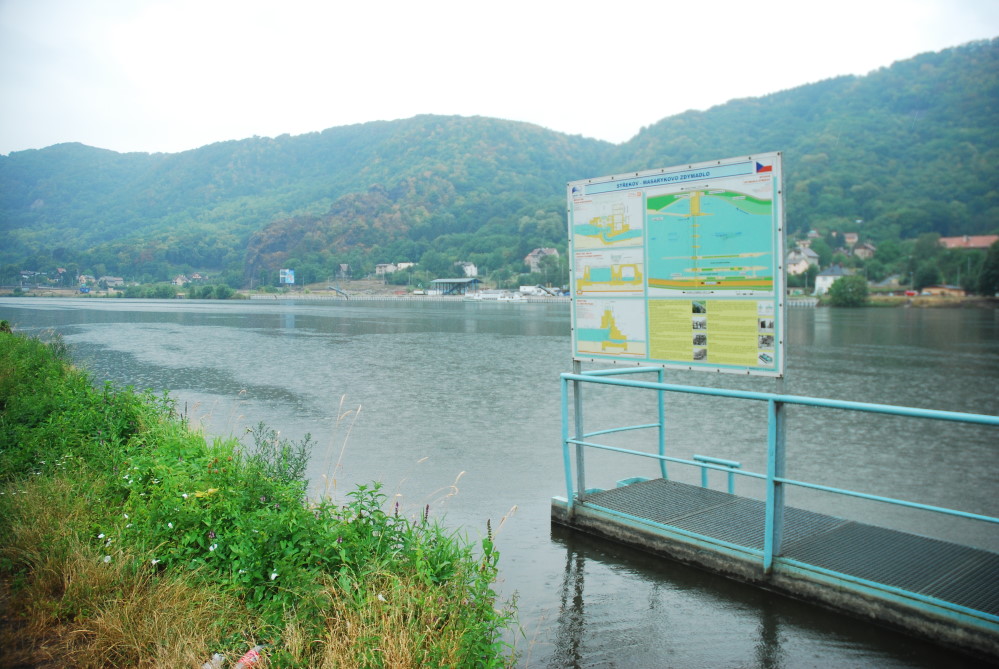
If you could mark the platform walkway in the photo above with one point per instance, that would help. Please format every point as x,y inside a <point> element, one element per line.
<point>960,575</point>
<point>938,590</point>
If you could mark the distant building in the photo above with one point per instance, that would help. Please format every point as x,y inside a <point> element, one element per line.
<point>827,277</point>
<point>180,280</point>
<point>533,259</point>
<point>385,268</point>
<point>969,241</point>
<point>851,238</point>
<point>800,259</point>
<point>864,251</point>
<point>112,281</point>
<point>453,286</point>
<point>469,269</point>
<point>944,291</point>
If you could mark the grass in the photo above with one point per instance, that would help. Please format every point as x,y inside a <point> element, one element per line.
<point>128,539</point>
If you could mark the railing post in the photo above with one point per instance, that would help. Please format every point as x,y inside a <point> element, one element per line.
<point>774,526</point>
<point>577,397</point>
<point>662,425</point>
<point>566,458</point>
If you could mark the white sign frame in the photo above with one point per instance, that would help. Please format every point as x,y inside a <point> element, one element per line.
<point>681,267</point>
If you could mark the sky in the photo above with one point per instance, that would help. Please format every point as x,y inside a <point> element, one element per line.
<point>173,75</point>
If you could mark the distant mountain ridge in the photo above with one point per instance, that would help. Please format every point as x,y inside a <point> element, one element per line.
<point>908,149</point>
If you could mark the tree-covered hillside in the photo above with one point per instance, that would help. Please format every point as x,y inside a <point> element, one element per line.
<point>905,151</point>
<point>909,149</point>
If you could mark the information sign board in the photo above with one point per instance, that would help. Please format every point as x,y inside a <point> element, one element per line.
<point>681,267</point>
<point>286,276</point>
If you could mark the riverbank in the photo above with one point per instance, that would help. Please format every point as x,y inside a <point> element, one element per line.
<point>127,539</point>
<point>371,289</point>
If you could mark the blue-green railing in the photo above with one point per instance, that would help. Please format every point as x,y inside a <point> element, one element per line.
<point>774,478</point>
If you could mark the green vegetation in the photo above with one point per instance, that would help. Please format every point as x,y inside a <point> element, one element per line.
<point>850,291</point>
<point>905,151</point>
<point>128,540</point>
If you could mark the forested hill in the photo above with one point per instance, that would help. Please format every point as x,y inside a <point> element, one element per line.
<point>909,149</point>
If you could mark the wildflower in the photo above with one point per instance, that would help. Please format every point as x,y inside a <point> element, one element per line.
<point>213,547</point>
<point>154,561</point>
<point>170,525</point>
<point>126,516</point>
<point>100,536</point>
<point>211,534</point>
<point>381,597</point>
<point>184,495</point>
<point>107,558</point>
<point>274,575</point>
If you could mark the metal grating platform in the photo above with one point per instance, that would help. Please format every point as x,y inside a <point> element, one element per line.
<point>949,572</point>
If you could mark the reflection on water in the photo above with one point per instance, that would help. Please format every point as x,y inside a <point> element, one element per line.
<point>456,405</point>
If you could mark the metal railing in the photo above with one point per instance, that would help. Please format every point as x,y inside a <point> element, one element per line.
<point>774,478</point>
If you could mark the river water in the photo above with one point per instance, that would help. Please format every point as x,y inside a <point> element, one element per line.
<point>455,405</point>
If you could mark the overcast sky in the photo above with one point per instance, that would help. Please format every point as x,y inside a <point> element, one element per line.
<point>172,75</point>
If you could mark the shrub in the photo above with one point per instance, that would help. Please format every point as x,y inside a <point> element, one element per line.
<point>159,547</point>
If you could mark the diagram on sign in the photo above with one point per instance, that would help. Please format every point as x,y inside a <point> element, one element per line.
<point>609,326</point>
<point>609,272</point>
<point>601,222</point>
<point>711,241</point>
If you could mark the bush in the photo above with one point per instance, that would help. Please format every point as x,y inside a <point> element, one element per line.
<point>849,291</point>
<point>112,487</point>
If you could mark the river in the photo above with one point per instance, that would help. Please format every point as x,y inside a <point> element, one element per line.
<point>456,406</point>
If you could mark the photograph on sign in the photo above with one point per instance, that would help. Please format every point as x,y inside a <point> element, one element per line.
<point>681,267</point>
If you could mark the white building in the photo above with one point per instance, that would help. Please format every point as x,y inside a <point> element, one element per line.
<point>827,277</point>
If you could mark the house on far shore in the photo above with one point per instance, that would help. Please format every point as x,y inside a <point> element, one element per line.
<point>533,259</point>
<point>944,291</point>
<point>969,241</point>
<point>827,277</point>
<point>800,259</point>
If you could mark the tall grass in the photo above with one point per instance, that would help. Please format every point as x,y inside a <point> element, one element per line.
<point>127,539</point>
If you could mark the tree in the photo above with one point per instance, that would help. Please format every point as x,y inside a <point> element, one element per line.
<point>988,280</point>
<point>849,291</point>
<point>823,250</point>
<point>927,274</point>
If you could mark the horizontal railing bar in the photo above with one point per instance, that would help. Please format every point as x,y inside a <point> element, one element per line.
<point>802,484</point>
<point>620,429</point>
<point>890,500</point>
<point>912,412</point>
<point>894,590</point>
<point>665,458</point>
<point>677,530</point>
<point>717,461</point>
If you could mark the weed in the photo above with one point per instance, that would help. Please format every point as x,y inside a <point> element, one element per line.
<point>134,542</point>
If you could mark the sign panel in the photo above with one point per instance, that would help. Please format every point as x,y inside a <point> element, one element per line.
<point>286,276</point>
<point>681,267</point>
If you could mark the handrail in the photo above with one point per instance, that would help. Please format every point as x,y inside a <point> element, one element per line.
<point>774,476</point>
<point>912,412</point>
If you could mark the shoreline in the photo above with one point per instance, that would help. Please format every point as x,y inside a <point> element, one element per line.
<point>374,290</point>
